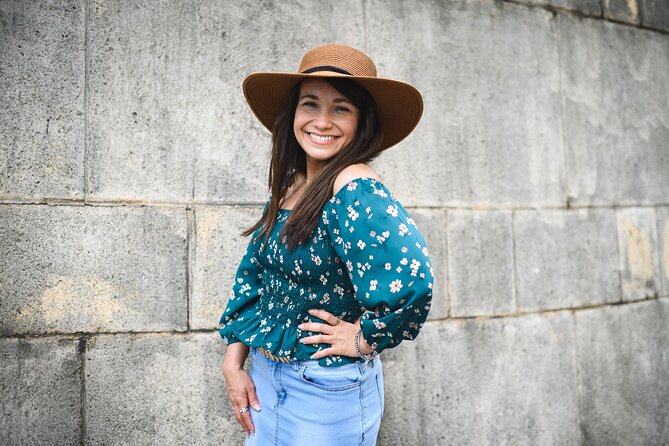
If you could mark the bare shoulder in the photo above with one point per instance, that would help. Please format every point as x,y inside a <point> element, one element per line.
<point>352,172</point>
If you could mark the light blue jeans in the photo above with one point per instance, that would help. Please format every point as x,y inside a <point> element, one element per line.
<point>305,404</point>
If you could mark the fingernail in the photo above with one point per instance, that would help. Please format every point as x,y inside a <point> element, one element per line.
<point>312,311</point>
<point>302,340</point>
<point>257,407</point>
<point>312,356</point>
<point>300,326</point>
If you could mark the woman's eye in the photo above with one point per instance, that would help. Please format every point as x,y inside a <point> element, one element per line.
<point>342,109</point>
<point>309,104</point>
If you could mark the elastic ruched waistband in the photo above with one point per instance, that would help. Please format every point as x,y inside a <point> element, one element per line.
<point>295,307</point>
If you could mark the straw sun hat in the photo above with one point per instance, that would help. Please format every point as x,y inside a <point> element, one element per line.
<point>399,105</point>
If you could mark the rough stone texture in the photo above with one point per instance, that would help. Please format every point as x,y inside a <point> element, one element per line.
<point>40,391</point>
<point>218,249</point>
<point>663,245</point>
<point>622,11</point>
<point>76,268</point>
<point>488,72</point>
<point>42,91</point>
<point>566,258</point>
<point>174,392</point>
<point>624,373</point>
<point>655,14</point>
<point>615,138</point>
<point>500,381</point>
<point>155,131</point>
<point>481,262</point>
<point>432,224</point>
<point>588,7</point>
<point>639,257</point>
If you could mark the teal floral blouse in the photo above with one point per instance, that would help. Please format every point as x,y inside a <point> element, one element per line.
<point>366,258</point>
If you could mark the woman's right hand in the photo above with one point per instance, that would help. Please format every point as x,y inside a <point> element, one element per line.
<point>241,393</point>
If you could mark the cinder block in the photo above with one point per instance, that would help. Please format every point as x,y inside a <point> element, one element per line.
<point>655,14</point>
<point>42,90</point>
<point>481,262</point>
<point>40,391</point>
<point>663,244</point>
<point>615,140</point>
<point>624,373</point>
<point>622,11</point>
<point>566,258</point>
<point>219,248</point>
<point>168,119</point>
<point>432,225</point>
<point>476,382</point>
<point>158,389</point>
<point>84,268</point>
<point>488,72</point>
<point>588,7</point>
<point>639,257</point>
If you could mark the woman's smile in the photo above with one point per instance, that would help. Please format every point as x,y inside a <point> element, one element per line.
<point>322,139</point>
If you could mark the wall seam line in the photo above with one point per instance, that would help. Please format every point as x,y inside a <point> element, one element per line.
<point>86,97</point>
<point>83,410</point>
<point>190,258</point>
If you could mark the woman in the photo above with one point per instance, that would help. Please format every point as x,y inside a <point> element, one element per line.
<point>336,270</point>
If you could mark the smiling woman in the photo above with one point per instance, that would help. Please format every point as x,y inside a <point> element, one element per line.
<point>336,270</point>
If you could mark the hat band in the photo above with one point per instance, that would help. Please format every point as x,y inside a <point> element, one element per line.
<point>327,68</point>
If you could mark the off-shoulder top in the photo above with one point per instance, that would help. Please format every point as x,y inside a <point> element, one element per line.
<point>366,258</point>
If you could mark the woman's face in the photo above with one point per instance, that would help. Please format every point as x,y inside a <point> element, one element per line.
<point>325,120</point>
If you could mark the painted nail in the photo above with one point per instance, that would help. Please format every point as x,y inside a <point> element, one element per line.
<point>257,407</point>
<point>300,326</point>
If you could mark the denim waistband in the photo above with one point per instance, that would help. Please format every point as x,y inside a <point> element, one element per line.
<point>297,363</point>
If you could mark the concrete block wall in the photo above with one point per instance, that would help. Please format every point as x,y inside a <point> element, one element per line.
<point>539,174</point>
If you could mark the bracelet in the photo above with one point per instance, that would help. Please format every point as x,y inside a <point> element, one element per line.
<point>366,357</point>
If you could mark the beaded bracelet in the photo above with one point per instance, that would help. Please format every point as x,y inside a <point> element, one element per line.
<point>367,357</point>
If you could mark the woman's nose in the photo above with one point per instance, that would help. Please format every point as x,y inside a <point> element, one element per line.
<point>323,120</point>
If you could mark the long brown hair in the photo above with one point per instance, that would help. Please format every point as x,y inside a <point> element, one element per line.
<point>289,159</point>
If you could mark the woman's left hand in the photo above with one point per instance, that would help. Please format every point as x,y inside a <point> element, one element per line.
<point>338,333</point>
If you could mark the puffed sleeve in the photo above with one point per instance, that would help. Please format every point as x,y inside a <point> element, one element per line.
<point>387,261</point>
<point>245,292</point>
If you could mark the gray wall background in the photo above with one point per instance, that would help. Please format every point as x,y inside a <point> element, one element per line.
<point>129,163</point>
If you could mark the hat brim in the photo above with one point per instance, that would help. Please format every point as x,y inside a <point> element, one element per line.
<point>399,105</point>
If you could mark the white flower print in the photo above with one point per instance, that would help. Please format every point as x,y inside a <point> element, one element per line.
<point>387,266</point>
<point>372,284</point>
<point>395,286</point>
<point>352,213</point>
<point>392,210</point>
<point>403,229</point>
<point>361,244</point>
<point>404,261</point>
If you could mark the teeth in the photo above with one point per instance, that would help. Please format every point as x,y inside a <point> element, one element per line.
<point>321,138</point>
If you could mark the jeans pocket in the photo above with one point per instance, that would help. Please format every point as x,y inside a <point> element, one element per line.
<point>333,379</point>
